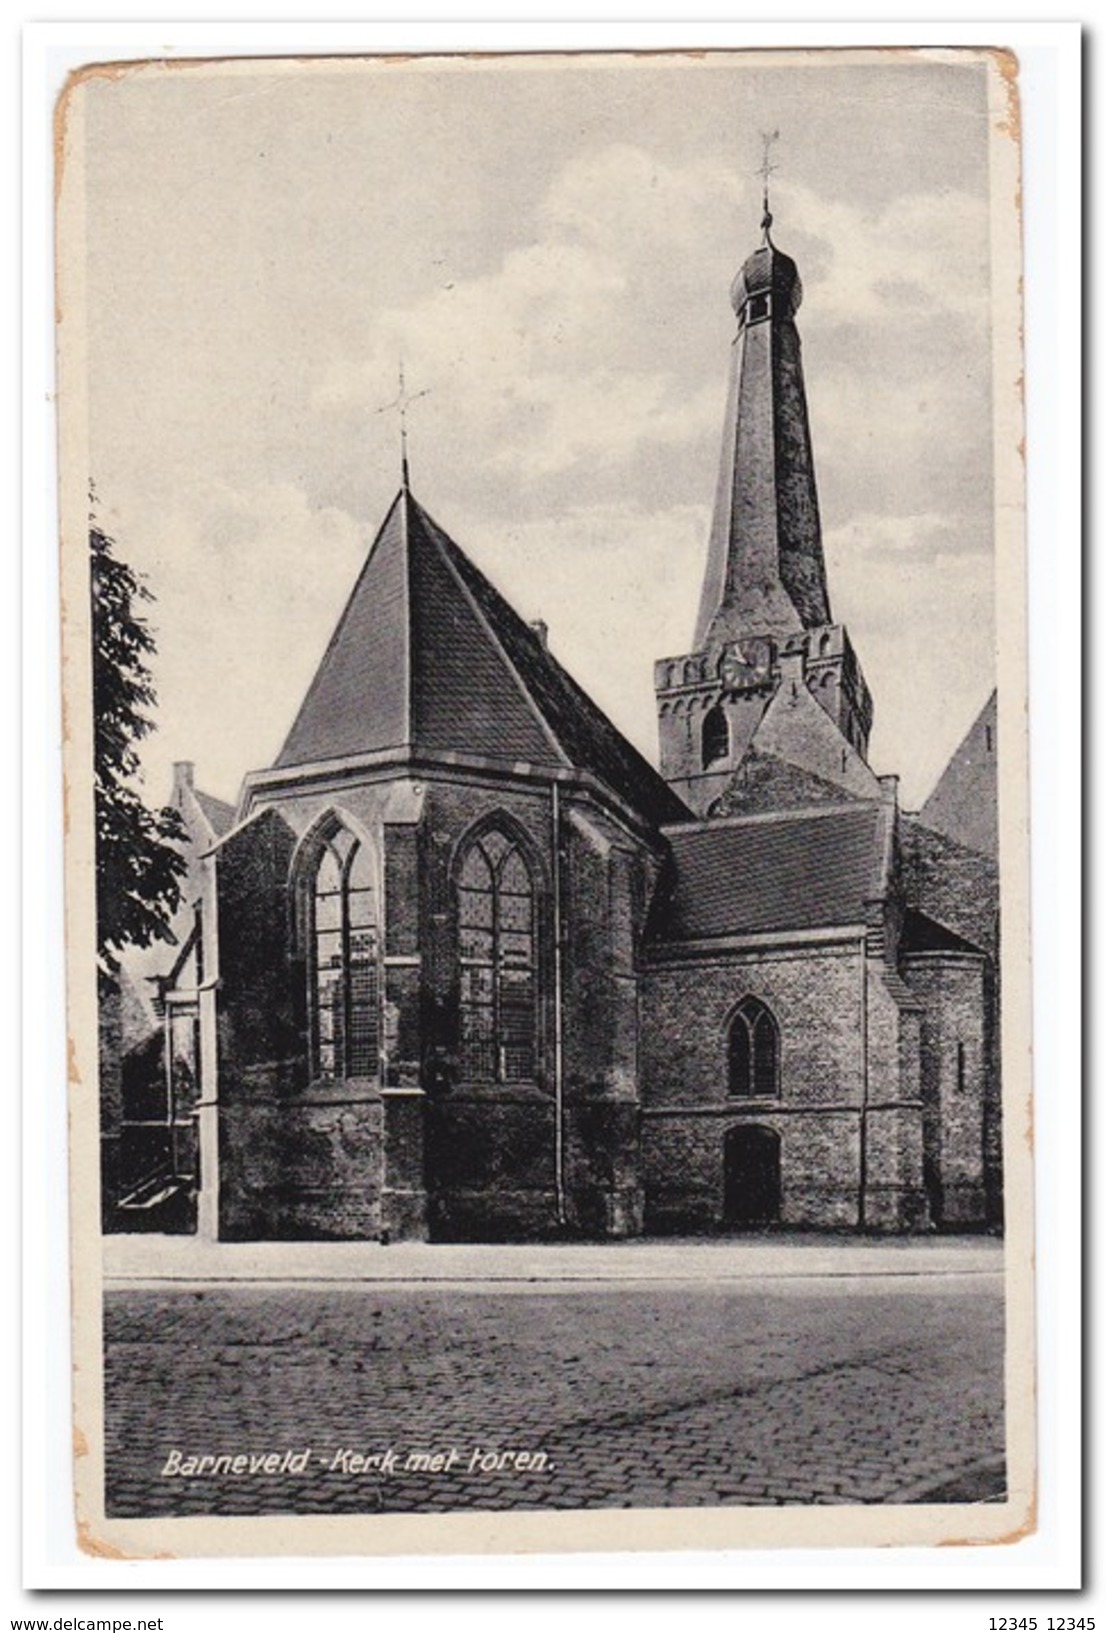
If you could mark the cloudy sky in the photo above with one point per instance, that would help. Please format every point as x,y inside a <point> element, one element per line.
<point>548,246</point>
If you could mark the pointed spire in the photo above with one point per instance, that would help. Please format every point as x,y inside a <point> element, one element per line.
<point>429,661</point>
<point>765,570</point>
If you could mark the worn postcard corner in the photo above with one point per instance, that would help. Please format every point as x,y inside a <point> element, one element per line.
<point>547,866</point>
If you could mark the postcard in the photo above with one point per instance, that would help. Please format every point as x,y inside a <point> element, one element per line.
<point>547,854</point>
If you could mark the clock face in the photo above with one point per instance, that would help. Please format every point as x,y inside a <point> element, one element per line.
<point>747,662</point>
<point>735,673</point>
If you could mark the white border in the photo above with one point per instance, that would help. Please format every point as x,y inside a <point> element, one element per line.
<point>1049,55</point>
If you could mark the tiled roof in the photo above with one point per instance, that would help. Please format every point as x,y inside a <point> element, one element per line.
<point>586,737</point>
<point>950,884</point>
<point>429,658</point>
<point>217,811</point>
<point>357,701</point>
<point>764,782</point>
<point>801,870</point>
<point>964,804</point>
<point>921,934</point>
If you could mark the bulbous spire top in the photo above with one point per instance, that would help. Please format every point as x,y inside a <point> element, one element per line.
<point>768,271</point>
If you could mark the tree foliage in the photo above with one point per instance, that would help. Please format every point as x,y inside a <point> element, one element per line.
<point>138,864</point>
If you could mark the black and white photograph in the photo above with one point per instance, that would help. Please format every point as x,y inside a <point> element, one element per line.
<point>544,645</point>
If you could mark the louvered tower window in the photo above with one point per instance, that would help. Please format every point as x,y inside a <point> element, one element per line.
<point>716,737</point>
<point>496,917</point>
<point>345,980</point>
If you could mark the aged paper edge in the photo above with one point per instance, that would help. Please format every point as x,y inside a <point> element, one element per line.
<point>591,1530</point>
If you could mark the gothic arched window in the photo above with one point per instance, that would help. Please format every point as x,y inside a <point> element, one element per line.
<point>344,961</point>
<point>716,736</point>
<point>754,1052</point>
<point>498,958</point>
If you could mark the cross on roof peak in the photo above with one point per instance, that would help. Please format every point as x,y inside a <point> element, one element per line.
<point>400,404</point>
<point>765,169</point>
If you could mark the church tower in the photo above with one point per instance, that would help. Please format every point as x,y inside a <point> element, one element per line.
<point>764,624</point>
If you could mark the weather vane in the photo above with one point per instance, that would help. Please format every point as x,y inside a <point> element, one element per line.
<point>766,168</point>
<point>401,402</point>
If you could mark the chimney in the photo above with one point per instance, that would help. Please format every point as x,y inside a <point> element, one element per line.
<point>541,630</point>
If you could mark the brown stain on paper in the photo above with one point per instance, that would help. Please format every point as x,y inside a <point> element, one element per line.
<point>99,1549</point>
<point>1019,1534</point>
<point>1006,62</point>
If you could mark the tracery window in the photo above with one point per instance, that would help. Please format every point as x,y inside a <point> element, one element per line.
<point>754,1052</point>
<point>345,980</point>
<point>498,956</point>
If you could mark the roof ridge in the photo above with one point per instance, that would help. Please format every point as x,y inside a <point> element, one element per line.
<point>222,807</point>
<point>440,538</point>
<point>351,601</point>
<point>844,808</point>
<point>557,691</point>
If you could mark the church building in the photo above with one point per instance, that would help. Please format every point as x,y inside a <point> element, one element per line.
<point>463,965</point>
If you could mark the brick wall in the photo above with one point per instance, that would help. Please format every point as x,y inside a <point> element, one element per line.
<point>491,1148</point>
<point>813,991</point>
<point>487,1150</point>
<point>296,1160</point>
<point>261,1017</point>
<point>956,1075</point>
<point>840,1114</point>
<point>683,1160</point>
<point>301,1168</point>
<point>814,994</point>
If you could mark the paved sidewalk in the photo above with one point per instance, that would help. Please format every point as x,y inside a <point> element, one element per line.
<point>131,1261</point>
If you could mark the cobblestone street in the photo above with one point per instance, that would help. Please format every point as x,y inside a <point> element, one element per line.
<point>814,1389</point>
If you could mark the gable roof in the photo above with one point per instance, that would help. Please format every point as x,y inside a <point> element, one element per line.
<point>219,814</point>
<point>357,701</point>
<point>799,870</point>
<point>964,804</point>
<point>796,729</point>
<point>953,885</point>
<point>429,659</point>
<point>764,782</point>
<point>921,934</point>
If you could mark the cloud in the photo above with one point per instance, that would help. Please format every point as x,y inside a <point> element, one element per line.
<point>249,583</point>
<point>519,371</point>
<point>925,255</point>
<point>617,585</point>
<point>571,424</point>
<point>902,541</point>
<point>559,356</point>
<point>239,642</point>
<point>632,203</point>
<point>917,593</point>
<point>603,338</point>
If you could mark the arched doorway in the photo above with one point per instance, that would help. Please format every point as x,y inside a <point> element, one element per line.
<point>751,1185</point>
